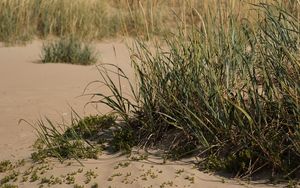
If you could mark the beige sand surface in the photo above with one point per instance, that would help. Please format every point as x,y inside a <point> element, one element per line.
<point>30,90</point>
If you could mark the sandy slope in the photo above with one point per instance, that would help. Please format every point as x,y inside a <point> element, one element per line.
<point>29,90</point>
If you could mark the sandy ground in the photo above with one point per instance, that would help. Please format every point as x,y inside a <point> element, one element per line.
<point>31,90</point>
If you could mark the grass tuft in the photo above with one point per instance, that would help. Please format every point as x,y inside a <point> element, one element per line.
<point>227,91</point>
<point>67,143</point>
<point>68,50</point>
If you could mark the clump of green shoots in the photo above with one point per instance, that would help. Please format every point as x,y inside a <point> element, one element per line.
<point>68,50</point>
<point>68,142</point>
<point>229,92</point>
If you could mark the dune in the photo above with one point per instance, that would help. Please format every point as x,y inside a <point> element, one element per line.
<point>31,90</point>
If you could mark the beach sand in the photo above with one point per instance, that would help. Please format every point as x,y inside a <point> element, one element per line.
<point>31,90</point>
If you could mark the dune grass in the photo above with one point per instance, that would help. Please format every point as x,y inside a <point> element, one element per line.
<point>68,50</point>
<point>77,141</point>
<point>23,20</point>
<point>227,90</point>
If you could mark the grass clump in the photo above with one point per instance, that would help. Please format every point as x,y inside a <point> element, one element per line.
<point>228,90</point>
<point>68,50</point>
<point>67,143</point>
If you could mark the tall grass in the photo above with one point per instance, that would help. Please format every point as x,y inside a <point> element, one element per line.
<point>228,91</point>
<point>92,19</point>
<point>23,20</point>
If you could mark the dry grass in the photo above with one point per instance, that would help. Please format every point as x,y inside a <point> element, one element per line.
<point>22,20</point>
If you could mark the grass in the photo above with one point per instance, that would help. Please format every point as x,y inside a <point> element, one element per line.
<point>64,142</point>
<point>93,19</point>
<point>24,20</point>
<point>68,50</point>
<point>226,91</point>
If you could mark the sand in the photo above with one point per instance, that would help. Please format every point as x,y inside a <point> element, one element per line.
<point>31,90</point>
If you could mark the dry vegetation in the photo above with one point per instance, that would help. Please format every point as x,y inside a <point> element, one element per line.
<point>22,20</point>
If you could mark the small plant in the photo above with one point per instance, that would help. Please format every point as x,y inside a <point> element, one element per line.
<point>123,139</point>
<point>179,171</point>
<point>70,179</point>
<point>89,175</point>
<point>51,180</point>
<point>190,179</point>
<point>13,176</point>
<point>34,176</point>
<point>68,50</point>
<point>122,164</point>
<point>167,184</point>
<point>53,142</point>
<point>5,166</point>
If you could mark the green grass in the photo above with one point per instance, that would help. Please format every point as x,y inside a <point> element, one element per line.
<point>68,50</point>
<point>227,91</point>
<point>67,142</point>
